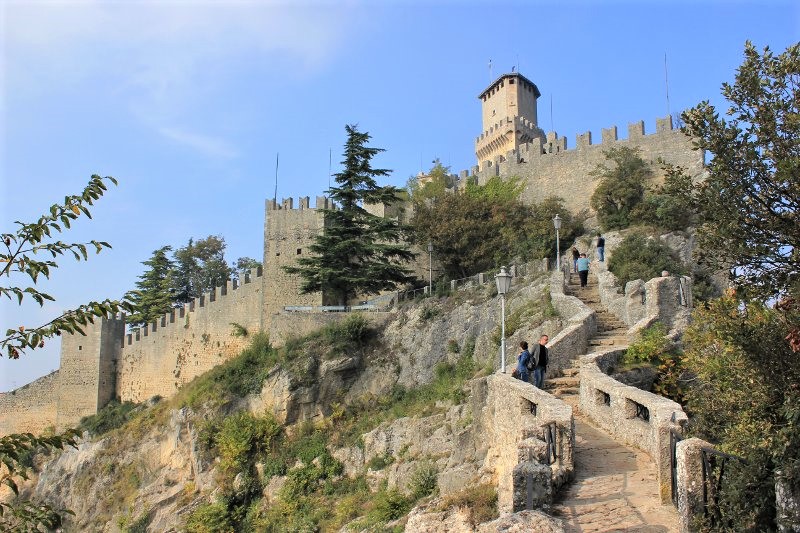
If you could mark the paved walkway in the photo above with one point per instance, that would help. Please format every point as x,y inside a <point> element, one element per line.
<point>615,487</point>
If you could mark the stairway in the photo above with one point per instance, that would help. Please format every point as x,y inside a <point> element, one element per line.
<point>610,332</point>
<point>615,486</point>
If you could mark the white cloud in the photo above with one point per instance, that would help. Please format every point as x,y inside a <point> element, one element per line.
<point>160,59</point>
<point>210,146</point>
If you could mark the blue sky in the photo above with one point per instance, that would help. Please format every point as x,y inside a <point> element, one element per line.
<point>187,103</point>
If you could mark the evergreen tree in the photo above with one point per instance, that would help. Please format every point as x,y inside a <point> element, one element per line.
<point>357,252</point>
<point>153,294</point>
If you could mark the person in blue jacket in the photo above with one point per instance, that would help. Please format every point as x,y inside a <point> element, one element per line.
<point>522,362</point>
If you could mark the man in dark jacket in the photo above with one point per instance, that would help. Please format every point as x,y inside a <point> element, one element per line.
<point>540,356</point>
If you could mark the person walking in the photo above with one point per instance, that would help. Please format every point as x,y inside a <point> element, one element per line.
<point>583,269</point>
<point>523,362</point>
<point>575,255</point>
<point>540,355</point>
<point>601,248</point>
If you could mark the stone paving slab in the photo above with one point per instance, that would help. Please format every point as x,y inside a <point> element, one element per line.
<point>615,488</point>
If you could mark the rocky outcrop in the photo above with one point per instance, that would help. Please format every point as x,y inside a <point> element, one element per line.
<point>431,519</point>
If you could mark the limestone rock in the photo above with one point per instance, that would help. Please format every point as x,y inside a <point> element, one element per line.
<point>523,522</point>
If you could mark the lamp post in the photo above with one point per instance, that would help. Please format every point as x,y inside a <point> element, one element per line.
<point>430,267</point>
<point>557,225</point>
<point>503,280</point>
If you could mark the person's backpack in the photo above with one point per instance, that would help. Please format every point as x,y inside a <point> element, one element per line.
<point>531,363</point>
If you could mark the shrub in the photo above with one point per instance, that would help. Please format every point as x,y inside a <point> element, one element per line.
<point>209,518</point>
<point>746,400</point>
<point>650,345</point>
<point>481,500</point>
<point>352,331</point>
<point>389,505</point>
<point>638,257</point>
<point>112,416</point>
<point>424,480</point>
<point>240,376</point>
<point>379,462</point>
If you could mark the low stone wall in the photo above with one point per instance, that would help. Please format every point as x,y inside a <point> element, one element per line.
<point>666,299</point>
<point>573,340</point>
<point>30,408</point>
<point>639,418</point>
<point>515,417</point>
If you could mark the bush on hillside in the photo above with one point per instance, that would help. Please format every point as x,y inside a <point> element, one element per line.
<point>640,257</point>
<point>746,400</point>
<point>112,416</point>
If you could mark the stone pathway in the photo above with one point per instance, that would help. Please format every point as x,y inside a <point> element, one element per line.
<point>615,487</point>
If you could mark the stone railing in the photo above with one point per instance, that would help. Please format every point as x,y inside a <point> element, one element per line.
<point>634,416</point>
<point>573,340</point>
<point>532,439</point>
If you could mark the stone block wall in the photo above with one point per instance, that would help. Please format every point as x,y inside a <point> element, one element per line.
<point>170,352</point>
<point>87,376</point>
<point>514,417</point>
<point>288,233</point>
<point>30,408</point>
<point>548,168</point>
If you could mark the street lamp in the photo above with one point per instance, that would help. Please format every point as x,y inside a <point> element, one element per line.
<point>503,280</point>
<point>430,267</point>
<point>557,225</point>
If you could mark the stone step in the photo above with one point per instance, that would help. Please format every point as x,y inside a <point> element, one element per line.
<point>560,393</point>
<point>562,382</point>
<point>570,371</point>
<point>614,341</point>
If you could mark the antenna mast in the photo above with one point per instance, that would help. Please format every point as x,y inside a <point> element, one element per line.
<point>666,83</point>
<point>277,155</point>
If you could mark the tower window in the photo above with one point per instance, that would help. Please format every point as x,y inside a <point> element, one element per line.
<point>299,251</point>
<point>80,348</point>
<point>277,254</point>
<point>511,82</point>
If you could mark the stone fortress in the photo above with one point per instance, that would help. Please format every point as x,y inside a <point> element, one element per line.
<point>160,358</point>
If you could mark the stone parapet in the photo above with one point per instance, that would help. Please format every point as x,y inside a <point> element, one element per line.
<point>573,339</point>
<point>639,418</point>
<point>516,419</point>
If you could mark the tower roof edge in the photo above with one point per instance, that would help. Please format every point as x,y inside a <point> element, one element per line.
<point>516,75</point>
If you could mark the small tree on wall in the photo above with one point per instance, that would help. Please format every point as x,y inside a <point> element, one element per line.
<point>621,188</point>
<point>357,252</point>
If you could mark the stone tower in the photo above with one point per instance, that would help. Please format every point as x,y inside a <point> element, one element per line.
<point>509,116</point>
<point>87,377</point>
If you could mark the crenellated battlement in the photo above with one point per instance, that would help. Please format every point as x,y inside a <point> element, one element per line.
<point>201,302</point>
<point>503,126</point>
<point>303,203</point>
<point>548,167</point>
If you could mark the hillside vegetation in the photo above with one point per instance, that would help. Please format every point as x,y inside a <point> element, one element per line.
<point>217,457</point>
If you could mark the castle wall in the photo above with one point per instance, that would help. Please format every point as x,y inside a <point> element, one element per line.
<point>186,342</point>
<point>288,234</point>
<point>549,169</point>
<point>30,408</point>
<point>87,376</point>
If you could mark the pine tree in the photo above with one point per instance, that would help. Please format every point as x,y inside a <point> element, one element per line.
<point>357,253</point>
<point>153,295</point>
